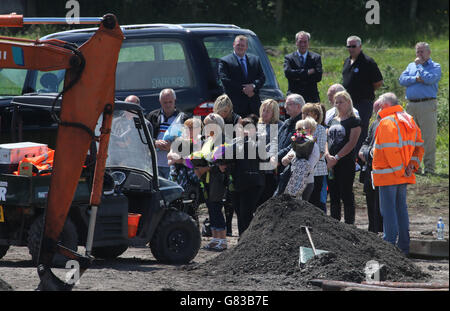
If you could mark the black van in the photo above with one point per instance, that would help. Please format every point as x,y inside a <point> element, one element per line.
<point>153,57</point>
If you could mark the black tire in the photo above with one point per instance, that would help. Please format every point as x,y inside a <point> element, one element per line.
<point>3,250</point>
<point>177,238</point>
<point>68,238</point>
<point>109,252</point>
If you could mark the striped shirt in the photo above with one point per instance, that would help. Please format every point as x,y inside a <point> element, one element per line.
<point>164,125</point>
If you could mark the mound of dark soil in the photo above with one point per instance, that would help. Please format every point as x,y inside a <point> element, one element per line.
<point>5,286</point>
<point>271,246</point>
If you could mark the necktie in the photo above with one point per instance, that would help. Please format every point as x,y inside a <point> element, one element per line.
<point>301,60</point>
<point>244,66</point>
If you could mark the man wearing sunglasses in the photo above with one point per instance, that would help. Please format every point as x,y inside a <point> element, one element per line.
<point>361,77</point>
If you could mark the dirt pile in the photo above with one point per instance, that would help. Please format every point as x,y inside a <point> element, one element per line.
<point>271,246</point>
<point>5,286</point>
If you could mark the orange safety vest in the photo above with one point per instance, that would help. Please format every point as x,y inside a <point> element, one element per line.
<point>35,165</point>
<point>398,142</point>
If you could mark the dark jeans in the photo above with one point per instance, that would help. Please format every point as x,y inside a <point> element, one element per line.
<point>316,194</point>
<point>216,218</point>
<point>341,188</point>
<point>245,204</point>
<point>365,109</point>
<point>229,211</point>
<point>373,206</point>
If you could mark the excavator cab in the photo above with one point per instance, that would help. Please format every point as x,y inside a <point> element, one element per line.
<point>129,188</point>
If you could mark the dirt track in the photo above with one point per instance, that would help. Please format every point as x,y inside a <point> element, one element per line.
<point>137,270</point>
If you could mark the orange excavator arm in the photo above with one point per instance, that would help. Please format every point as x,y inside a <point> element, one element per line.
<point>89,88</point>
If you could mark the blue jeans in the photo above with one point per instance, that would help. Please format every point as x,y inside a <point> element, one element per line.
<point>216,217</point>
<point>394,210</point>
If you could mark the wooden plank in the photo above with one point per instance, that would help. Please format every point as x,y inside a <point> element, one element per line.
<point>331,285</point>
<point>428,248</point>
<point>408,285</point>
<point>392,289</point>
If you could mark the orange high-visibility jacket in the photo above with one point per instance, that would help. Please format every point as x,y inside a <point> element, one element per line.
<point>398,142</point>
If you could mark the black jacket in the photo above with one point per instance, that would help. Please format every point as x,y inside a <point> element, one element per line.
<point>246,172</point>
<point>232,77</point>
<point>299,81</point>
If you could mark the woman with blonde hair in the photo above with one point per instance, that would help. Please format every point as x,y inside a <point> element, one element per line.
<point>268,124</point>
<point>342,137</point>
<point>224,107</point>
<point>212,179</point>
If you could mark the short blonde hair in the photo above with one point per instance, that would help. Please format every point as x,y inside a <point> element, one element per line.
<point>307,123</point>
<point>241,37</point>
<point>222,102</point>
<point>273,104</point>
<point>315,110</point>
<point>348,98</point>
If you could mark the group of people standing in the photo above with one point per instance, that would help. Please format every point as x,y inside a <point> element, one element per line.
<point>315,151</point>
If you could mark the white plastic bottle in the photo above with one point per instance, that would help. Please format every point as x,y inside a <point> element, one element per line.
<point>440,229</point>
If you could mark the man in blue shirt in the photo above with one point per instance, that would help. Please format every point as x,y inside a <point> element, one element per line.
<point>421,79</point>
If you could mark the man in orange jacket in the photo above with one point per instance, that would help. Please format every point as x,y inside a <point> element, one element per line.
<point>397,155</point>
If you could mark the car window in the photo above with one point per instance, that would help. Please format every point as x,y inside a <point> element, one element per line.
<point>152,64</point>
<point>219,46</point>
<point>11,82</point>
<point>50,81</point>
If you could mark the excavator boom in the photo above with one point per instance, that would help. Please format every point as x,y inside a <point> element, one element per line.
<point>89,88</point>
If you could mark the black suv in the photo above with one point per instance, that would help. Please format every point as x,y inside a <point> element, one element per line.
<point>153,57</point>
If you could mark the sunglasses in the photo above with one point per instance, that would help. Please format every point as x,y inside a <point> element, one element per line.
<point>300,129</point>
<point>351,46</point>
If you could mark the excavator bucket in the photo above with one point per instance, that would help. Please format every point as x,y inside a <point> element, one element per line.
<point>82,104</point>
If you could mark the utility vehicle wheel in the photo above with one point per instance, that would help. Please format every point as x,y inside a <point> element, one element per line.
<point>177,238</point>
<point>68,238</point>
<point>3,250</point>
<point>109,252</point>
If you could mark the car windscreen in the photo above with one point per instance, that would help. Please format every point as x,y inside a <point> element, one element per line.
<point>219,46</point>
<point>126,147</point>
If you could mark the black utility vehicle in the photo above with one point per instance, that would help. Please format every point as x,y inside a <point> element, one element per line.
<point>156,56</point>
<point>129,187</point>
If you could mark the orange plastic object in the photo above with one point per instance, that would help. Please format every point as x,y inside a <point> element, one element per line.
<point>133,222</point>
<point>11,20</point>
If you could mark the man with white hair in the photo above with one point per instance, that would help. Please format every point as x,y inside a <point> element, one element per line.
<point>397,154</point>
<point>361,78</point>
<point>161,119</point>
<point>421,79</point>
<point>294,104</point>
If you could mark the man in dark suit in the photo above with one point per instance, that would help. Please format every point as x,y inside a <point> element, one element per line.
<point>242,77</point>
<point>303,69</point>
